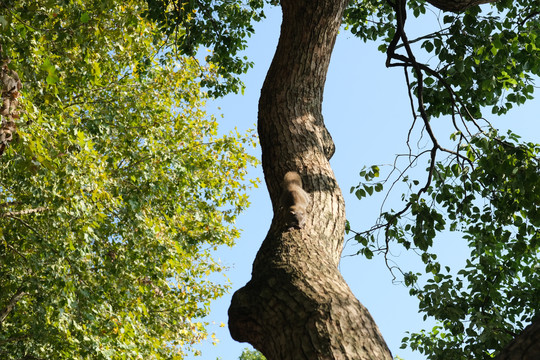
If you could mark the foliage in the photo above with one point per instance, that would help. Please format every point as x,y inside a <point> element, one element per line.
<point>251,355</point>
<point>221,26</point>
<point>494,206</point>
<point>487,187</point>
<point>115,193</point>
<point>491,200</point>
<point>488,55</point>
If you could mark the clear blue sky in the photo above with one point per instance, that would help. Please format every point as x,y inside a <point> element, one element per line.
<point>367,111</point>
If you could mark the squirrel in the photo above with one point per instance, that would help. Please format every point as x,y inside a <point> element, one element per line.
<point>294,200</point>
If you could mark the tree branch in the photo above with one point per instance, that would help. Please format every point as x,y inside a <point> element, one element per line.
<point>24,212</point>
<point>457,5</point>
<point>11,304</point>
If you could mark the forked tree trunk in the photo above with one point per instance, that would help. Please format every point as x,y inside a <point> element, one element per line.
<point>297,305</point>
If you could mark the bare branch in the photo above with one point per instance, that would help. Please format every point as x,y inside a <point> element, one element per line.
<point>433,35</point>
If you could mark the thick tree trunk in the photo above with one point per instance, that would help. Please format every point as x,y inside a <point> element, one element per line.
<point>297,305</point>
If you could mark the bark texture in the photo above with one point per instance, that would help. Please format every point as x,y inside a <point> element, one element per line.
<point>526,346</point>
<point>297,305</point>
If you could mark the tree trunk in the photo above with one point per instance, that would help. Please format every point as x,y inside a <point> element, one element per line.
<point>297,305</point>
<point>526,346</point>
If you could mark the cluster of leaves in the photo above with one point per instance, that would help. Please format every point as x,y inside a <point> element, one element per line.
<point>495,207</point>
<point>112,200</point>
<point>489,58</point>
<point>222,26</point>
<point>491,200</point>
<point>370,19</point>
<point>361,191</point>
<point>251,355</point>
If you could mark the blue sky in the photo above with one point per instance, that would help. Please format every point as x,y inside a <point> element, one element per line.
<point>367,111</point>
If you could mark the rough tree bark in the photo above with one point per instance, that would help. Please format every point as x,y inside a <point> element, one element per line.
<point>526,346</point>
<point>297,305</point>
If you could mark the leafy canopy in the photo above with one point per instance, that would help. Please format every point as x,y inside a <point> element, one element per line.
<point>488,55</point>
<point>484,58</point>
<point>114,194</point>
<point>484,185</point>
<point>221,26</point>
<point>494,206</point>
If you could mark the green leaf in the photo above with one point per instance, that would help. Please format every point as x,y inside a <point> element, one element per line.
<point>85,17</point>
